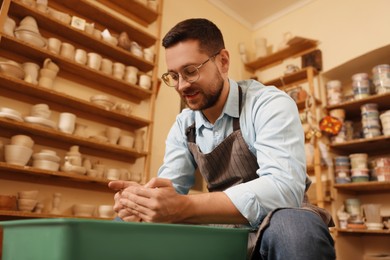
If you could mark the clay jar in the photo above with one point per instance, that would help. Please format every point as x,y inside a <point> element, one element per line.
<point>67,50</point>
<point>106,66</point>
<point>113,134</point>
<point>131,74</point>
<point>80,56</point>
<point>94,60</point>
<point>49,64</point>
<point>145,81</point>
<point>118,70</point>
<point>54,45</point>
<point>126,141</point>
<point>31,71</point>
<point>67,122</point>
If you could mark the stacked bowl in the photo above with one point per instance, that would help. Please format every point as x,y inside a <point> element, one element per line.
<point>19,151</point>
<point>28,31</point>
<point>342,169</point>
<point>46,160</point>
<point>359,168</point>
<point>370,120</point>
<point>27,200</point>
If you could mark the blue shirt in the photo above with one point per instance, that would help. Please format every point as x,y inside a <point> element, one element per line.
<point>272,129</point>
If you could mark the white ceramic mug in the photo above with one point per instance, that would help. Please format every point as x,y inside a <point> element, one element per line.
<point>94,60</point>
<point>67,50</point>
<point>113,134</point>
<point>67,122</point>
<point>80,56</point>
<point>54,45</point>
<point>118,70</point>
<point>145,81</point>
<point>106,66</point>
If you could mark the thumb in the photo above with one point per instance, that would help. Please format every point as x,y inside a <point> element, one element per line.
<point>119,185</point>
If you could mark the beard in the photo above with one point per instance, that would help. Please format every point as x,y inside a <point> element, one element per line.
<point>207,97</point>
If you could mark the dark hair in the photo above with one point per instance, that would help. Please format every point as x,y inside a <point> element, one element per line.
<point>207,33</point>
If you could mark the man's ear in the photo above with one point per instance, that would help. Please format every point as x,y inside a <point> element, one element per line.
<point>224,59</point>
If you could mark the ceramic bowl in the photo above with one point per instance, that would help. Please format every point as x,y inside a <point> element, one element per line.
<point>46,156</point>
<point>105,211</point>
<point>103,101</point>
<point>46,165</point>
<point>28,194</point>
<point>17,154</point>
<point>26,205</point>
<point>30,37</point>
<point>23,140</point>
<point>12,69</point>
<point>83,210</point>
<point>374,226</point>
<point>10,111</point>
<point>8,202</point>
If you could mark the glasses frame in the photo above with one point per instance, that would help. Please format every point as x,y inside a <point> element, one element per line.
<point>179,74</point>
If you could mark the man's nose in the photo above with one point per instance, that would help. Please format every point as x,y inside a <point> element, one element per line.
<point>182,83</point>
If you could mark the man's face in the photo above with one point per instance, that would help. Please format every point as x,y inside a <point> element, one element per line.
<point>204,92</point>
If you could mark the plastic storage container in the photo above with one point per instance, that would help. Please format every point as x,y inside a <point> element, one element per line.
<point>79,239</point>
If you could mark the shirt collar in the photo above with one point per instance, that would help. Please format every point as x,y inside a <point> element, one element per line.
<point>230,109</point>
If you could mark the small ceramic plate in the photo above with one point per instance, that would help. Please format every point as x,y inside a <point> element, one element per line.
<point>40,121</point>
<point>11,116</point>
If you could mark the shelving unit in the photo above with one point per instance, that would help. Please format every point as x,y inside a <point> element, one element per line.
<point>356,243</point>
<point>297,47</point>
<point>137,20</point>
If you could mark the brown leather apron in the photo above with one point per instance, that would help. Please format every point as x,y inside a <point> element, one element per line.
<point>232,163</point>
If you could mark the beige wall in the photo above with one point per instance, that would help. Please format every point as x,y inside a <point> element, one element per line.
<point>345,29</point>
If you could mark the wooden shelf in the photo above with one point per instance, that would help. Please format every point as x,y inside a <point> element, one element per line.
<point>364,186</point>
<point>363,231</point>
<point>54,97</point>
<point>369,145</point>
<point>106,20</point>
<point>64,141</point>
<point>353,110</point>
<point>290,79</point>
<point>6,168</point>
<point>132,9</point>
<point>80,38</point>
<point>99,78</point>
<point>296,47</point>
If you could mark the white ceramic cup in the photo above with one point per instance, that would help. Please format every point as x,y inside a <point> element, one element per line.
<point>67,122</point>
<point>113,174</point>
<point>80,56</point>
<point>145,81</point>
<point>67,50</point>
<point>54,45</point>
<point>118,70</point>
<point>31,70</point>
<point>106,66</point>
<point>94,60</point>
<point>126,141</point>
<point>113,134</point>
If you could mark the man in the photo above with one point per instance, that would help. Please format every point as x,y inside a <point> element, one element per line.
<point>247,141</point>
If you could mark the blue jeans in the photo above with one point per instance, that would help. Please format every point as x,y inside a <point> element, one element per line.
<point>296,234</point>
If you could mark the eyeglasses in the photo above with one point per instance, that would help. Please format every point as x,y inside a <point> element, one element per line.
<point>190,74</point>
